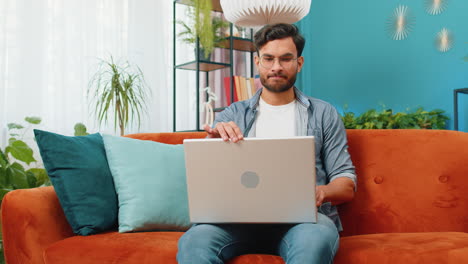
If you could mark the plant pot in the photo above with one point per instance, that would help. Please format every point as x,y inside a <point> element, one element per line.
<point>201,55</point>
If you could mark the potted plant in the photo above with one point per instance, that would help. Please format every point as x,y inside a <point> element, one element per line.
<point>120,91</point>
<point>202,25</point>
<point>387,119</point>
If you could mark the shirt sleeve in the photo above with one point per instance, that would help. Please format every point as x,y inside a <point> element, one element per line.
<point>224,116</point>
<point>336,158</point>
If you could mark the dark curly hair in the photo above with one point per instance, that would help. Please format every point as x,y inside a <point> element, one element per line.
<point>279,31</point>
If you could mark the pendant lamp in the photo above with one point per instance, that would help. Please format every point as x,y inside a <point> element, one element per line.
<point>253,13</point>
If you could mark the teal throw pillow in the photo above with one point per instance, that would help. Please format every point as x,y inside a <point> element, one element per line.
<point>150,182</point>
<point>78,169</point>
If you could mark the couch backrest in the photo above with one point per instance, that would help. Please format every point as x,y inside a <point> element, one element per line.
<point>168,138</point>
<point>408,181</point>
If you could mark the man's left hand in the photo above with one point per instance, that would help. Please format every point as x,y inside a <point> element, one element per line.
<point>339,191</point>
<point>320,194</point>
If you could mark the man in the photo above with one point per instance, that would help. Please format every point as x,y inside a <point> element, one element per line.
<point>281,110</point>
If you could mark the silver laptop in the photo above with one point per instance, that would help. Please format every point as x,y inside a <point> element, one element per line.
<point>256,180</point>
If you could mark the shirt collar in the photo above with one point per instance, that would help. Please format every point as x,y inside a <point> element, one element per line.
<point>300,97</point>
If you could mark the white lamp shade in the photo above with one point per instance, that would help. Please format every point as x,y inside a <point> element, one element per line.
<point>253,13</point>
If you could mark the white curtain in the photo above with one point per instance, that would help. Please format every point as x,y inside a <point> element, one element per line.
<point>49,49</point>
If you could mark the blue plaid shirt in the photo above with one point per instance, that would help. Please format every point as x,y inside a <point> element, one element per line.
<point>316,118</point>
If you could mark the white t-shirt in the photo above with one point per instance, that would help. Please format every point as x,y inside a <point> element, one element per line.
<point>275,120</point>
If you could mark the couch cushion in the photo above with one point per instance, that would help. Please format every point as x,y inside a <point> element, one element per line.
<point>114,247</point>
<point>150,183</point>
<point>407,248</point>
<point>77,167</point>
<point>130,248</point>
<point>161,247</point>
<point>408,181</point>
<point>168,137</point>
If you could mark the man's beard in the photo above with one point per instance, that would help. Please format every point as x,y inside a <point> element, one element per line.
<point>278,88</point>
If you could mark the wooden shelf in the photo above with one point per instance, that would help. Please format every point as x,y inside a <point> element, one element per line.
<point>241,44</point>
<point>205,66</point>
<point>216,4</point>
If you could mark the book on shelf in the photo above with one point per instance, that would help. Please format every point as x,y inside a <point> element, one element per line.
<point>253,89</point>
<point>248,88</point>
<point>237,87</point>
<point>227,90</point>
<point>244,88</point>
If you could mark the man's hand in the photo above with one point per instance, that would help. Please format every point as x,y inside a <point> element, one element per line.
<point>338,191</point>
<point>226,131</point>
<point>320,194</point>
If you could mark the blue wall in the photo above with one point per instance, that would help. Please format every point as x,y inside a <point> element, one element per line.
<point>351,60</point>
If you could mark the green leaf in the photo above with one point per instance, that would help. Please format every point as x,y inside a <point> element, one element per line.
<point>80,130</point>
<point>33,120</point>
<point>11,140</point>
<point>31,178</point>
<point>40,175</point>
<point>3,177</point>
<point>3,160</point>
<point>14,126</point>
<point>17,176</point>
<point>20,151</point>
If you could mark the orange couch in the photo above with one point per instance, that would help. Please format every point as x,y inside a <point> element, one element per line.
<point>411,207</point>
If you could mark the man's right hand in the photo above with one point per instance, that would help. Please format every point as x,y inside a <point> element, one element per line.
<point>226,131</point>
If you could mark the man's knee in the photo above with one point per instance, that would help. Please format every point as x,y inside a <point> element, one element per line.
<point>200,244</point>
<point>199,236</point>
<point>310,243</point>
<point>307,234</point>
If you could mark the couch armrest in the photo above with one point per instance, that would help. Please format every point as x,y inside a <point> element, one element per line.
<point>32,219</point>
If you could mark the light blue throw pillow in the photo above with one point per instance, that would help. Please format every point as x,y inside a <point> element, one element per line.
<point>150,182</point>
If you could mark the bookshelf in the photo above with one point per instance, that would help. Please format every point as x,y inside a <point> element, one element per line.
<point>201,67</point>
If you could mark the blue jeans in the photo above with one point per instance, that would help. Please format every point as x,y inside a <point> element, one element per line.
<point>295,243</point>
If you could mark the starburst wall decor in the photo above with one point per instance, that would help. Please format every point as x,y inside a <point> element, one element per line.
<point>435,7</point>
<point>444,40</point>
<point>400,24</point>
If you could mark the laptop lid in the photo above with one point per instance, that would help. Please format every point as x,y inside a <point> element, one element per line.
<point>256,180</point>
